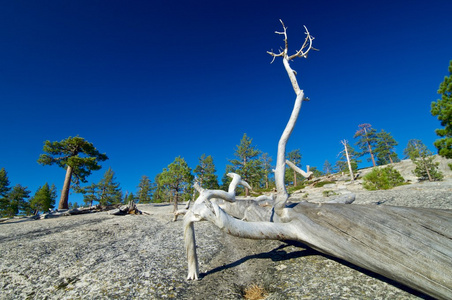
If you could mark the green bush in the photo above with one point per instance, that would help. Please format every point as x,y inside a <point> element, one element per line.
<point>328,193</point>
<point>382,179</point>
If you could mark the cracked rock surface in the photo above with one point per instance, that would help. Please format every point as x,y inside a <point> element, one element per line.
<point>100,256</point>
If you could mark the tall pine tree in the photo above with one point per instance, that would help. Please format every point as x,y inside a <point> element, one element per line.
<point>90,194</point>
<point>266,168</point>
<point>78,156</point>
<point>422,157</point>
<point>367,139</point>
<point>295,157</point>
<point>443,110</point>
<point>327,167</point>
<point>247,163</point>
<point>178,179</point>
<point>4,190</point>
<point>384,149</point>
<point>109,190</point>
<point>17,201</point>
<point>145,190</point>
<point>205,173</point>
<point>44,198</point>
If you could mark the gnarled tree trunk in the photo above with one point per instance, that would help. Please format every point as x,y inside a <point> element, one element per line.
<point>409,245</point>
<point>65,192</point>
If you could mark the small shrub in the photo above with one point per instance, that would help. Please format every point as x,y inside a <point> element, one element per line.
<point>322,183</point>
<point>382,179</point>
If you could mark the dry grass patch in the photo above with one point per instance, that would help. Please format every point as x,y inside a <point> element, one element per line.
<point>255,292</point>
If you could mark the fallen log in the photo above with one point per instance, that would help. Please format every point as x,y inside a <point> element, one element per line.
<point>412,246</point>
<point>130,208</point>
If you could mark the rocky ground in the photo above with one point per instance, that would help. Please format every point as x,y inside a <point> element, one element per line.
<point>100,256</point>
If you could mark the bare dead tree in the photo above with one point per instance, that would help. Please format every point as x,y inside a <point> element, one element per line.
<point>409,245</point>
<point>344,143</point>
<point>294,167</point>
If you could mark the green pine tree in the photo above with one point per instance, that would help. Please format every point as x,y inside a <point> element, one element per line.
<point>4,190</point>
<point>90,194</point>
<point>161,193</point>
<point>226,180</point>
<point>384,150</point>
<point>205,173</point>
<point>442,109</point>
<point>178,179</point>
<point>130,197</point>
<point>422,157</point>
<point>109,191</point>
<point>17,201</point>
<point>316,172</point>
<point>291,177</point>
<point>367,139</point>
<point>145,190</point>
<point>327,167</point>
<point>247,163</point>
<point>77,156</point>
<point>44,199</point>
<point>266,161</point>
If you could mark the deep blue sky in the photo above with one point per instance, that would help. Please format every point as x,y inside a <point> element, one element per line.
<point>146,81</point>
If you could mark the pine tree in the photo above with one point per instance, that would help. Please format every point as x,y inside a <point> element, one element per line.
<point>130,197</point>
<point>109,191</point>
<point>44,199</point>
<point>295,157</point>
<point>366,140</point>
<point>4,190</point>
<point>226,180</point>
<point>384,150</point>
<point>205,173</point>
<point>442,109</point>
<point>90,194</point>
<point>422,157</point>
<point>145,190</point>
<point>266,168</point>
<point>77,156</point>
<point>247,163</point>
<point>178,178</point>
<point>17,201</point>
<point>327,167</point>
<point>316,172</point>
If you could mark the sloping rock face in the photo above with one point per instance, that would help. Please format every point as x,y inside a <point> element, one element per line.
<point>100,256</point>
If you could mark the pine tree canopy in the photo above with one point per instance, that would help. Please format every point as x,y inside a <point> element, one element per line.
<point>4,183</point>
<point>367,139</point>
<point>108,189</point>
<point>416,149</point>
<point>384,149</point>
<point>145,190</point>
<point>442,109</point>
<point>76,152</point>
<point>177,177</point>
<point>247,163</point>
<point>44,198</point>
<point>17,201</point>
<point>205,173</point>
